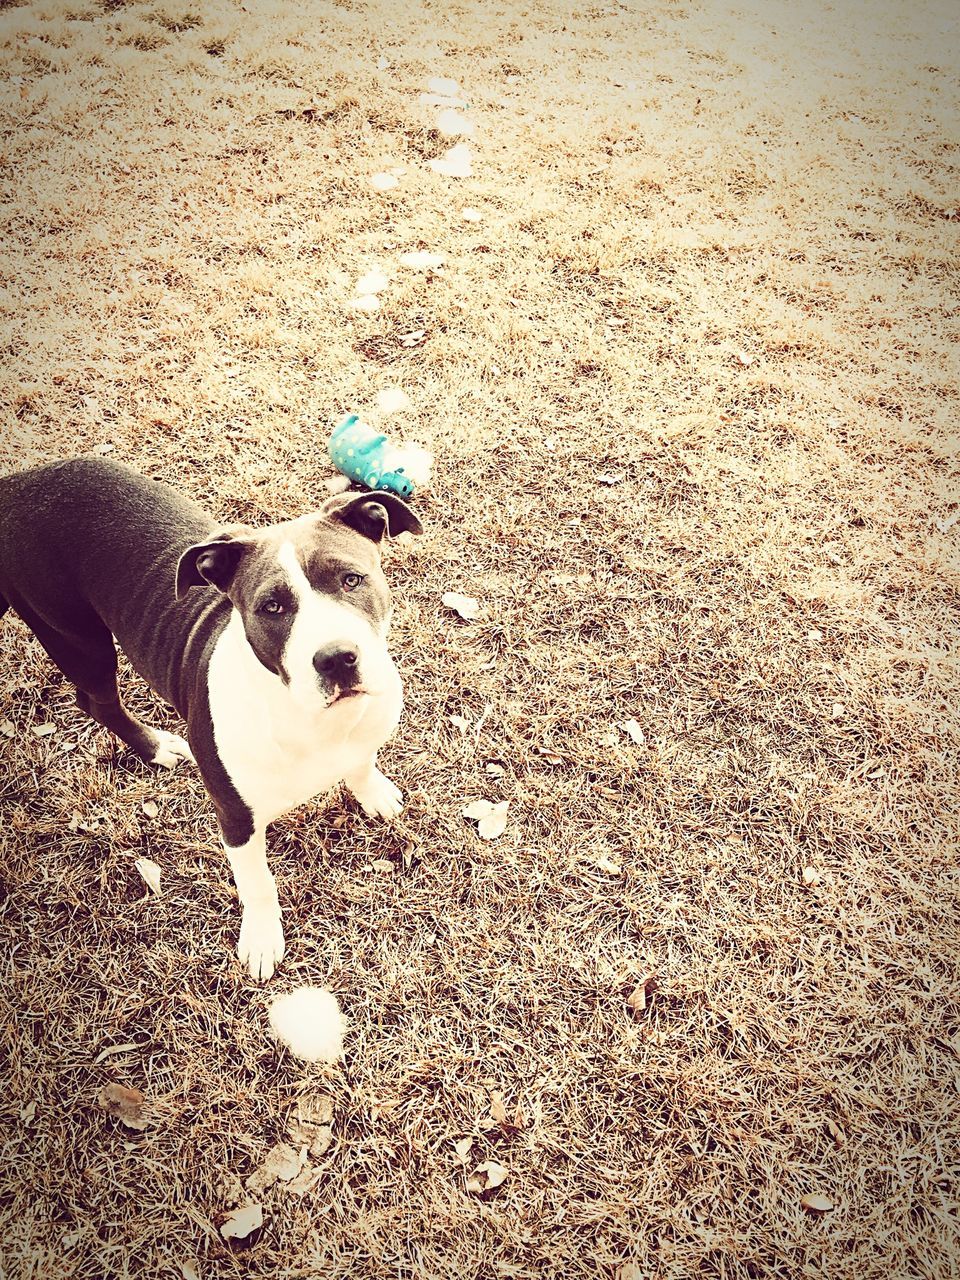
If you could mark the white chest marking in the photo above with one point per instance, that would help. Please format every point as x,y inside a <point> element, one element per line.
<point>278,749</point>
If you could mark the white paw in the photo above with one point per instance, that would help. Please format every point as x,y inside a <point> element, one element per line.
<point>171,749</point>
<point>261,943</point>
<point>381,798</point>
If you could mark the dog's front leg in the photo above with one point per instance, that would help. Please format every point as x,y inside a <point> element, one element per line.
<point>261,932</point>
<point>378,796</point>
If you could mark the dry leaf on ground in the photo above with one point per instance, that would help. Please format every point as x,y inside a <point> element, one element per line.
<point>43,730</point>
<point>486,1177</point>
<point>242,1222</point>
<point>466,606</point>
<point>150,873</point>
<point>392,400</point>
<point>633,730</point>
<point>383,181</point>
<point>421,260</point>
<point>7,728</point>
<point>127,1105</point>
<point>280,1164</point>
<point>637,999</point>
<point>471,215</point>
<point>815,1203</point>
<point>455,164</point>
<point>491,818</point>
<point>150,808</point>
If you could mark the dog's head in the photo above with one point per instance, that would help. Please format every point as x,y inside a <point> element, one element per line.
<point>311,594</point>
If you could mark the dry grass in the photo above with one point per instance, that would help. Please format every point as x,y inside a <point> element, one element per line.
<point>668,191</point>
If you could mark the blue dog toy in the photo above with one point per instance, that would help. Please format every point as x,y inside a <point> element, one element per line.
<point>368,458</point>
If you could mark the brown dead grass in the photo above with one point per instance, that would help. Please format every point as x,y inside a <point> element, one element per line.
<point>718,256</point>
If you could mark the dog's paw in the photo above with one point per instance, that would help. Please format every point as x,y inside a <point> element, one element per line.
<point>261,944</point>
<point>170,750</point>
<point>380,798</point>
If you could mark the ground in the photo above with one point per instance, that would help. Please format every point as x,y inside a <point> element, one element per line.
<point>691,383</point>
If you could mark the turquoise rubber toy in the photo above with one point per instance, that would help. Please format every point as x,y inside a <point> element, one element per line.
<point>368,458</point>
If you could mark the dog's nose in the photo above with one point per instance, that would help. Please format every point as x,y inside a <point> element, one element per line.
<point>337,662</point>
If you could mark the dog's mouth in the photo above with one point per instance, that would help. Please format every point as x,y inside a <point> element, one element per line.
<point>342,695</point>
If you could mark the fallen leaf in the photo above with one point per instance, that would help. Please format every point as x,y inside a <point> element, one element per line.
<point>460,722</point>
<point>43,730</point>
<point>414,338</point>
<point>462,1148</point>
<point>443,84</point>
<point>498,1110</point>
<point>242,1222</point>
<point>8,728</point>
<point>455,164</point>
<point>471,215</point>
<point>637,999</point>
<point>814,636</point>
<point>454,125</point>
<point>392,400</point>
<point>495,1173</point>
<point>836,1133</point>
<point>28,1112</point>
<point>614,477</point>
<point>421,260</point>
<point>811,876</point>
<point>744,359</point>
<point>466,606</point>
<point>127,1105</point>
<point>150,808</point>
<point>631,1271</point>
<point>368,302</point>
<point>281,1163</point>
<point>475,1185</point>
<point>551,757</point>
<point>477,809</point>
<point>103,449</point>
<point>188,1271</point>
<point>373,282</point>
<point>151,874</point>
<point>814,1203</point>
<point>632,729</point>
<point>383,181</point>
<point>383,865</point>
<point>495,768</point>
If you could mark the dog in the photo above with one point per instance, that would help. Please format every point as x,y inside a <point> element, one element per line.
<point>271,644</point>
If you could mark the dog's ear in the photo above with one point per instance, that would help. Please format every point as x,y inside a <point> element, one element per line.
<point>212,563</point>
<point>372,514</point>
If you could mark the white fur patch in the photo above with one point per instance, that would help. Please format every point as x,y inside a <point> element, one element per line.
<point>320,621</point>
<point>309,1022</point>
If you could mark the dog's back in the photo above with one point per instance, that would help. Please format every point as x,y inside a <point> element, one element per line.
<point>89,544</point>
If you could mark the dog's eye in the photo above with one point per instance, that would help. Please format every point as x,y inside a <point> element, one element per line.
<point>273,607</point>
<point>351,581</point>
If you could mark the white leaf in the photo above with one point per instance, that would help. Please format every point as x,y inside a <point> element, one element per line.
<point>455,164</point>
<point>392,400</point>
<point>607,864</point>
<point>443,84</point>
<point>462,1148</point>
<point>460,722</point>
<point>814,1203</point>
<point>150,808</point>
<point>477,809</point>
<point>633,730</point>
<point>471,215</point>
<point>281,1163</point>
<point>466,606</point>
<point>495,1173</point>
<point>810,876</point>
<point>454,125</point>
<point>369,302</point>
<point>494,823</point>
<point>614,477</point>
<point>188,1271</point>
<point>151,874</point>
<point>373,282</point>
<point>383,181</point>
<point>43,730</point>
<point>242,1222</point>
<point>8,728</point>
<point>421,260</point>
<point>103,449</point>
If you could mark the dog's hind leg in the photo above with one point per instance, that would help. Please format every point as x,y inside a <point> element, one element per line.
<point>90,662</point>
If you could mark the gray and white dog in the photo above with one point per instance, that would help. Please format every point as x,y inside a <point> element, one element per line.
<point>271,643</point>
